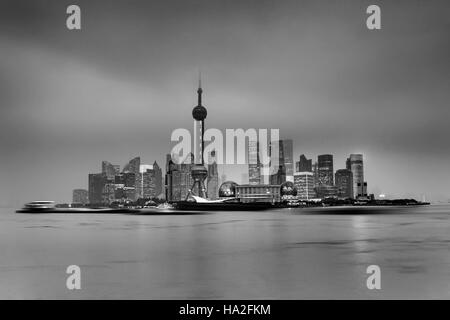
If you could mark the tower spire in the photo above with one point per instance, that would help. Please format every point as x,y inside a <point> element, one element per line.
<point>199,90</point>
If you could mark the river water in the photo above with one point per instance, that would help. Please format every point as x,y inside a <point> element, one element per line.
<point>281,254</point>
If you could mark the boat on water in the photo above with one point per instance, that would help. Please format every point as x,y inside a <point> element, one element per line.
<point>51,207</point>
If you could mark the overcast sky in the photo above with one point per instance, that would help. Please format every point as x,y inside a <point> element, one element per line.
<point>117,88</point>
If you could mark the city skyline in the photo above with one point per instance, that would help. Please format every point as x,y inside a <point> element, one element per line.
<point>111,95</point>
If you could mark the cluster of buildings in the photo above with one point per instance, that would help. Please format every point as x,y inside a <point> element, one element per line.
<point>302,180</point>
<point>311,180</point>
<point>135,181</point>
<point>179,181</point>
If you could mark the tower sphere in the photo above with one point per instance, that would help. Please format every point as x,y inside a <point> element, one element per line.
<point>198,171</point>
<point>227,189</point>
<point>199,113</point>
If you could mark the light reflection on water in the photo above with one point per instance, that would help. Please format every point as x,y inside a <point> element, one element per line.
<point>282,254</point>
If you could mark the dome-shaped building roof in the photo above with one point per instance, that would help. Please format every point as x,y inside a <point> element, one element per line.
<point>288,189</point>
<point>227,189</point>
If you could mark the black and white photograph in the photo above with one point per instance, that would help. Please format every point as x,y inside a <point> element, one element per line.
<point>212,150</point>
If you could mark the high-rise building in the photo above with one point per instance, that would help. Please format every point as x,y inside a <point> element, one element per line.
<point>283,167</point>
<point>304,182</point>
<point>254,164</point>
<point>288,151</point>
<point>96,183</point>
<point>110,170</point>
<point>129,182</point>
<point>213,177</point>
<point>109,192</point>
<point>325,170</point>
<point>150,181</point>
<point>80,196</point>
<point>315,174</point>
<point>304,165</point>
<point>355,165</point>
<point>179,180</point>
<point>133,166</point>
<point>278,177</point>
<point>344,183</point>
<point>158,179</point>
<point>362,187</point>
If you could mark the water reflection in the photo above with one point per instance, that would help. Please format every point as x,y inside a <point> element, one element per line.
<point>286,254</point>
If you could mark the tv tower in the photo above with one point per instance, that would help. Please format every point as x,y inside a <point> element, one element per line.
<point>198,171</point>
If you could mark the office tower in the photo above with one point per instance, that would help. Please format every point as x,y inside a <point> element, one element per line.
<point>168,178</point>
<point>148,184</point>
<point>198,171</point>
<point>362,187</point>
<point>179,180</point>
<point>109,192</point>
<point>344,183</point>
<point>213,176</point>
<point>315,174</point>
<point>158,179</point>
<point>304,182</point>
<point>304,165</point>
<point>288,152</point>
<point>325,177</point>
<point>254,164</point>
<point>355,165</point>
<point>80,196</point>
<point>95,187</point>
<point>325,170</point>
<point>150,181</point>
<point>129,182</point>
<point>133,166</point>
<point>282,169</point>
<point>279,177</point>
<point>109,170</point>
<point>140,180</point>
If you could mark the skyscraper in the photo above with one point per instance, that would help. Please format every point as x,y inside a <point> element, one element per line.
<point>325,176</point>
<point>344,183</point>
<point>110,170</point>
<point>95,187</point>
<point>304,182</point>
<point>288,151</point>
<point>158,179</point>
<point>304,165</point>
<point>179,179</point>
<point>213,176</point>
<point>254,164</point>
<point>133,166</point>
<point>355,165</point>
<point>325,170</point>
<point>284,171</point>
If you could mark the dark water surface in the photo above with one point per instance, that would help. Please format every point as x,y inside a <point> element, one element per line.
<point>282,254</point>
